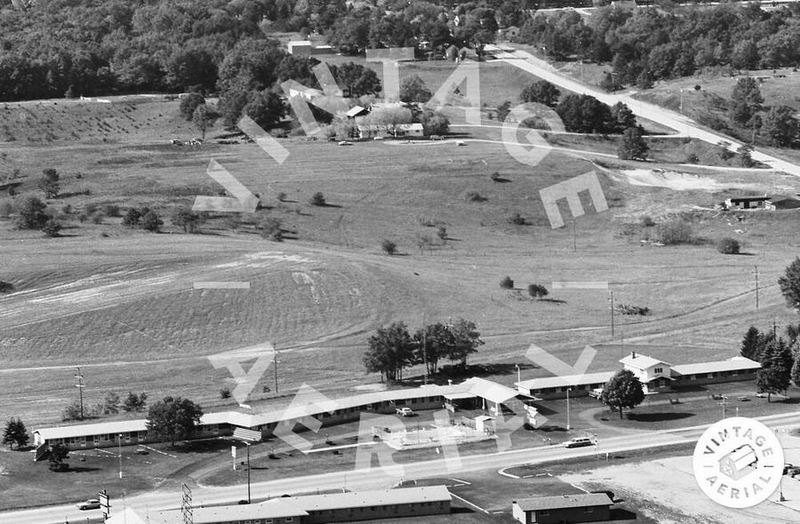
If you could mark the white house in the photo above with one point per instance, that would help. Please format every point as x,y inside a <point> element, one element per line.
<point>654,374</point>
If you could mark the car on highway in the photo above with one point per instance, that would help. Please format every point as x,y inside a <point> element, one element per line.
<point>578,442</point>
<point>89,504</point>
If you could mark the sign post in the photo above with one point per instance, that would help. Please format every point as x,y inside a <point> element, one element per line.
<point>105,505</point>
<point>247,436</point>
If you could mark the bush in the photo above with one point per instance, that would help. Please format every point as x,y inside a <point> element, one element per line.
<point>6,287</point>
<point>389,247</point>
<point>51,228</point>
<point>225,392</point>
<point>627,309</point>
<point>728,246</point>
<point>271,228</point>
<point>692,158</point>
<point>647,221</point>
<point>97,218</point>
<point>281,197</point>
<point>317,199</point>
<point>31,213</point>
<point>474,196</point>
<point>495,177</point>
<point>516,219</point>
<point>507,283</point>
<point>90,209</point>
<point>111,210</point>
<point>675,232</point>
<point>152,222</point>
<point>5,208</point>
<point>131,218</point>
<point>537,291</point>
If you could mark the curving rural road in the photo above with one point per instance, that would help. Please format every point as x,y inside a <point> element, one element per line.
<point>377,477</point>
<point>684,125</point>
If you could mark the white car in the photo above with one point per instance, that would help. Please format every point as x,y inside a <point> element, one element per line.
<point>345,143</point>
<point>405,412</point>
<point>89,504</point>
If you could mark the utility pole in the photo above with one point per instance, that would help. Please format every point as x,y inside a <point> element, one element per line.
<point>756,286</point>
<point>275,363</point>
<point>612,314</point>
<point>119,443</point>
<point>574,241</point>
<point>425,351</point>
<point>80,387</point>
<point>568,390</point>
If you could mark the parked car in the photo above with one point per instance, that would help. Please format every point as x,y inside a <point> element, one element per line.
<point>578,442</point>
<point>405,412</point>
<point>89,504</point>
<point>717,396</point>
<point>744,398</point>
<point>345,143</point>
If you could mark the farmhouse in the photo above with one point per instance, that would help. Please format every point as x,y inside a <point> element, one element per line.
<point>474,393</point>
<point>312,509</point>
<point>656,376</point>
<point>387,130</point>
<point>307,48</point>
<point>586,507</point>
<point>754,202</point>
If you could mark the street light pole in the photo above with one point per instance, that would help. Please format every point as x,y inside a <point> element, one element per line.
<point>248,472</point>
<point>119,442</point>
<point>568,390</point>
<point>519,377</point>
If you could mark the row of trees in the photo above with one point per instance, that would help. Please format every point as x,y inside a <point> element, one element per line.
<point>647,44</point>
<point>394,348</point>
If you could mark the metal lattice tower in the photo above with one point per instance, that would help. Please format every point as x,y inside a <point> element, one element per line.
<point>186,505</point>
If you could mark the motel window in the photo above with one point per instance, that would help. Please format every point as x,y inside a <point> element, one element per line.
<point>711,375</point>
<point>693,377</point>
<point>289,519</point>
<point>588,510</point>
<point>658,370</point>
<point>544,513</point>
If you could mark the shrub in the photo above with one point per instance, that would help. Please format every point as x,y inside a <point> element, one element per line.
<point>281,197</point>
<point>225,392</point>
<point>317,199</point>
<point>516,219</point>
<point>441,232</point>
<point>131,218</point>
<point>151,221</point>
<point>66,209</point>
<point>537,291</point>
<point>5,208</point>
<point>728,246</point>
<point>675,232</point>
<point>506,282</point>
<point>89,209</point>
<point>6,287</point>
<point>627,309</point>
<point>31,213</point>
<point>97,218</point>
<point>474,196</point>
<point>647,221</point>
<point>51,228</point>
<point>111,210</point>
<point>271,228</point>
<point>495,177</point>
<point>389,247</point>
<point>692,158</point>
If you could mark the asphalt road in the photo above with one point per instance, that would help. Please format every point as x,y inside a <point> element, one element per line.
<point>684,125</point>
<point>384,475</point>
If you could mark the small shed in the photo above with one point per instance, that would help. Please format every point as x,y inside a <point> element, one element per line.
<point>484,423</point>
<point>750,202</point>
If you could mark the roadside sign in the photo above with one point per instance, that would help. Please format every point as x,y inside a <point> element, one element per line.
<point>247,435</point>
<point>105,505</point>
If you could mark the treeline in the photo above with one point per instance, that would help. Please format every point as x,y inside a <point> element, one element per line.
<point>647,44</point>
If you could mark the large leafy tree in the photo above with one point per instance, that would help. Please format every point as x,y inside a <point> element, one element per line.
<point>390,350</point>
<point>541,92</point>
<point>413,90</point>
<point>780,126</point>
<point>31,215</point>
<point>623,390</point>
<point>189,103</point>
<point>15,433</point>
<point>58,454</point>
<point>48,183</point>
<point>203,117</point>
<point>265,108</point>
<point>356,80</point>
<point>790,284</point>
<point>466,340</point>
<point>432,344</point>
<point>746,100</point>
<point>173,419</point>
<point>632,145</point>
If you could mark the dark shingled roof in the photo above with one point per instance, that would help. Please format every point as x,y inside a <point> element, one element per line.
<point>564,501</point>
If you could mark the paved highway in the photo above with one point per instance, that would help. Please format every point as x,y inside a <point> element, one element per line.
<point>684,125</point>
<point>385,475</point>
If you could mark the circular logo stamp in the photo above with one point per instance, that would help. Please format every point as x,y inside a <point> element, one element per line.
<point>738,462</point>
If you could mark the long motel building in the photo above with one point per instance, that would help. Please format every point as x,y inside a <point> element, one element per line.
<point>656,376</point>
<point>486,396</point>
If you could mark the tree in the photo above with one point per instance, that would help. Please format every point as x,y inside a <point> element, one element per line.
<point>434,123</point>
<point>190,103</point>
<point>173,419</point>
<point>537,291</point>
<point>51,228</point>
<point>58,454</point>
<point>541,92</point>
<point>746,155</point>
<point>506,282</point>
<point>585,114</point>
<point>432,344</point>
<point>623,390</point>
<point>781,127</point>
<point>388,247</point>
<point>413,90</point>
<point>776,368</point>
<point>134,402</point>
<point>265,108</point>
<point>187,219</point>
<point>202,118</point>
<point>746,100</point>
<point>796,371</point>
<point>111,404</point>
<point>751,344</point>
<point>356,80</point>
<point>390,350</point>
<point>632,146</point>
<point>132,217</point>
<point>728,246</point>
<point>15,433</point>
<point>317,199</point>
<point>31,213</point>
<point>48,183</point>
<point>790,284</point>
<point>503,110</point>
<point>151,221</point>
<point>622,117</point>
<point>466,340</point>
<point>271,228</point>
